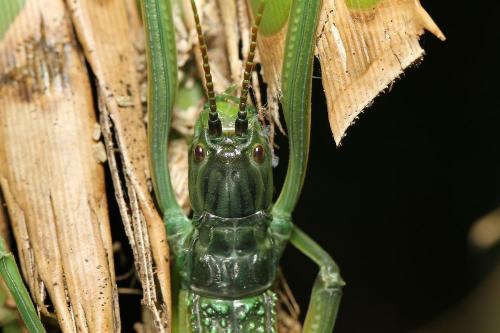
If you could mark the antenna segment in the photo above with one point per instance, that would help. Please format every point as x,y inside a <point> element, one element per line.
<point>241,123</point>
<point>214,123</point>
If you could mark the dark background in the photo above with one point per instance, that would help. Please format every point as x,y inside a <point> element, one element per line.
<point>394,204</point>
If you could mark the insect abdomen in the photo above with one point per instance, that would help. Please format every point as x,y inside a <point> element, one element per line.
<point>255,314</point>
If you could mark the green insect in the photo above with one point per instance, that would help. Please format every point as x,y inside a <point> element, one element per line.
<point>227,256</point>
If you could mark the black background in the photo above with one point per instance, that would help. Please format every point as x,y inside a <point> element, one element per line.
<point>394,204</point>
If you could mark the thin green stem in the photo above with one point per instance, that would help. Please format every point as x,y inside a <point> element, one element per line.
<point>13,280</point>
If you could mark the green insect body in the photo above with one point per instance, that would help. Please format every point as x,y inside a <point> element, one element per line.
<point>227,255</point>
<point>231,257</point>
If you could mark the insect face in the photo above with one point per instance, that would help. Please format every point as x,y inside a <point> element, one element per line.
<point>230,175</point>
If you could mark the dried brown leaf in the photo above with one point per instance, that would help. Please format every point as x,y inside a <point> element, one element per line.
<point>178,165</point>
<point>4,223</point>
<point>229,22</point>
<point>361,54</point>
<point>288,308</point>
<point>51,180</point>
<point>114,65</point>
<point>363,51</point>
<point>215,34</point>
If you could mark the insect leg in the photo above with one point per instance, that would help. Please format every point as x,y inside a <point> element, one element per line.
<point>162,87</point>
<point>296,100</point>
<point>327,289</point>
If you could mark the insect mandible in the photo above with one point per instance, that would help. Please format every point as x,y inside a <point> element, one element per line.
<point>227,255</point>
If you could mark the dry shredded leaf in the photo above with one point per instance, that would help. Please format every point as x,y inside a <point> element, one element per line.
<point>50,178</point>
<point>215,36</point>
<point>229,24</point>
<point>178,165</point>
<point>288,308</point>
<point>114,65</point>
<point>363,51</point>
<point>4,223</point>
<point>272,61</point>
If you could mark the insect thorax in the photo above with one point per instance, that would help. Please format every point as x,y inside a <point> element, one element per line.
<point>231,257</point>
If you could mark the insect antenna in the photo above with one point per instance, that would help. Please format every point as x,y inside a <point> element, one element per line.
<point>214,123</point>
<point>241,123</point>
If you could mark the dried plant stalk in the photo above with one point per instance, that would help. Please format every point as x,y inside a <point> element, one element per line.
<point>4,223</point>
<point>50,174</point>
<point>178,165</point>
<point>109,49</point>
<point>288,308</point>
<point>228,15</point>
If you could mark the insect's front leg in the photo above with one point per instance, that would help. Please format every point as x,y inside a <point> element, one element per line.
<point>327,289</point>
<point>281,228</point>
<point>162,87</point>
<point>296,85</point>
<point>179,228</point>
<point>179,231</point>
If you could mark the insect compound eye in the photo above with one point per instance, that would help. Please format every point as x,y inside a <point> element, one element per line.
<point>199,153</point>
<point>258,154</point>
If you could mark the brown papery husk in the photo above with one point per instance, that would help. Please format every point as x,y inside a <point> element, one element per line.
<point>361,52</point>
<point>112,38</point>
<point>51,176</point>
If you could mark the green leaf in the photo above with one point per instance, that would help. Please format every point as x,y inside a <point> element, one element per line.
<point>8,12</point>
<point>12,277</point>
<point>361,4</point>
<point>275,15</point>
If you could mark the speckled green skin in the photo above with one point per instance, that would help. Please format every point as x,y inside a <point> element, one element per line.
<point>255,314</point>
